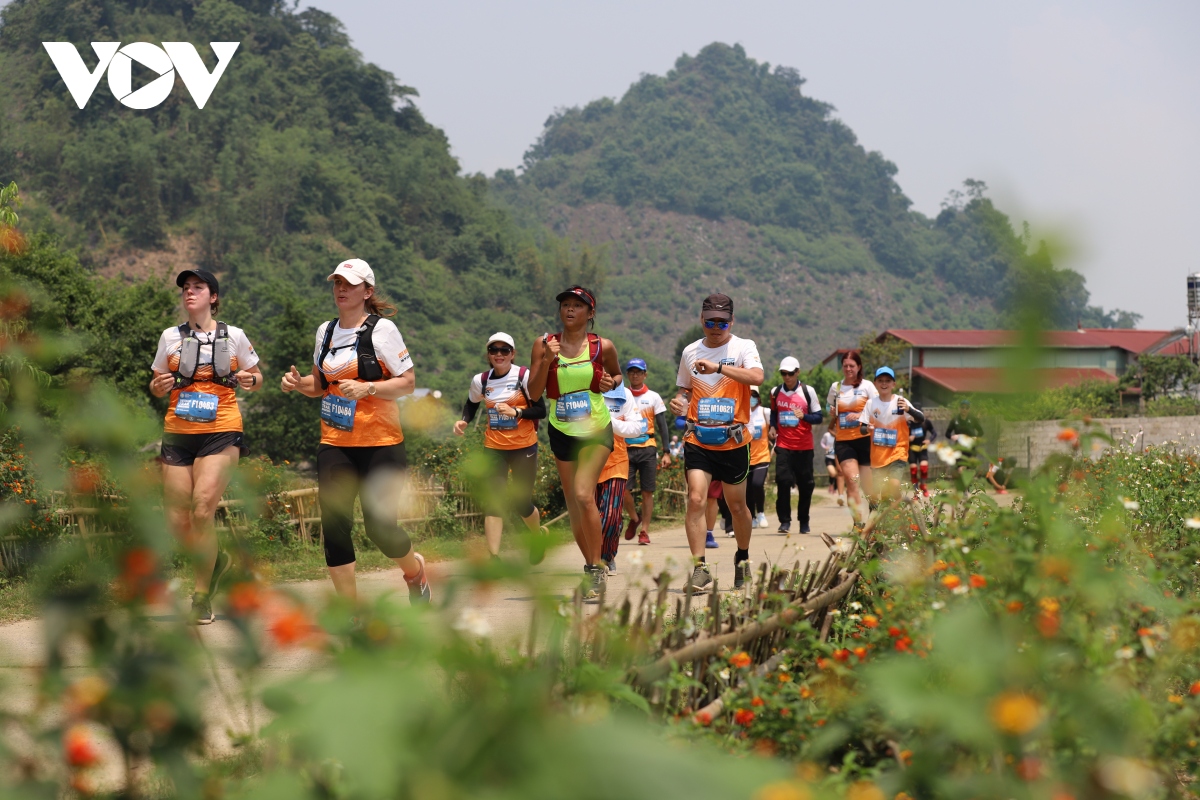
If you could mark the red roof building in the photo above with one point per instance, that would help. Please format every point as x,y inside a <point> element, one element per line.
<point>946,363</point>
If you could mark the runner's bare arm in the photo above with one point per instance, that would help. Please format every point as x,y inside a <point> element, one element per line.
<point>612,364</point>
<point>307,385</point>
<point>162,383</point>
<point>540,361</point>
<point>391,389</point>
<point>250,379</point>
<point>751,376</point>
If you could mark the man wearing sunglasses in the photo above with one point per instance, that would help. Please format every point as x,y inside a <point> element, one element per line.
<point>715,376</point>
<point>794,410</point>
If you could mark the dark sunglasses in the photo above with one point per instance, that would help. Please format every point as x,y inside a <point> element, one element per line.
<point>788,374</point>
<point>716,323</point>
<point>499,351</point>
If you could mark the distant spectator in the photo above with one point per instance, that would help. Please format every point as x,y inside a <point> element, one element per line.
<point>965,424</point>
<point>676,448</point>
<point>999,475</point>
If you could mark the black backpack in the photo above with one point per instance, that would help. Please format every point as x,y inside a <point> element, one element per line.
<point>368,365</point>
<point>484,377</point>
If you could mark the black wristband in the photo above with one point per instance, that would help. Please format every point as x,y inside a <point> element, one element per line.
<point>719,368</point>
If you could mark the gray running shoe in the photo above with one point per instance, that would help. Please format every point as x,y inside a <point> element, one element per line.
<point>701,580</point>
<point>224,562</point>
<point>784,527</point>
<point>611,566</point>
<point>418,585</point>
<point>741,574</point>
<point>202,613</point>
<point>593,583</point>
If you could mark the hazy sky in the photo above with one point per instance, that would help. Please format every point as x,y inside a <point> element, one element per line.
<point>1082,117</point>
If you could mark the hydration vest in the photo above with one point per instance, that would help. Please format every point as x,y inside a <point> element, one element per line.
<point>189,357</point>
<point>484,377</point>
<point>594,349</point>
<point>368,365</point>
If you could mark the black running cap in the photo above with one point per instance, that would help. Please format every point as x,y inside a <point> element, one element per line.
<point>579,293</point>
<point>717,306</point>
<point>203,275</point>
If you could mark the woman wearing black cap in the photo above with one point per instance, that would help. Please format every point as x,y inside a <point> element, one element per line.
<point>574,368</point>
<point>200,364</point>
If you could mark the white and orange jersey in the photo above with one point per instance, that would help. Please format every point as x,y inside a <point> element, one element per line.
<point>505,433</point>
<point>376,422</point>
<point>651,405</point>
<point>845,403</point>
<point>166,359</point>
<point>889,431</point>
<point>717,400</point>
<point>760,445</point>
<point>628,423</point>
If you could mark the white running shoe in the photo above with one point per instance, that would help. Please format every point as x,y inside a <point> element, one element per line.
<point>762,519</point>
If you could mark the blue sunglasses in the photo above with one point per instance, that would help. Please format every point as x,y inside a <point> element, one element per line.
<point>716,323</point>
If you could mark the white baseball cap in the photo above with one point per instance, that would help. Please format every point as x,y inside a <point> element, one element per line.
<point>355,271</point>
<point>789,364</point>
<point>500,336</point>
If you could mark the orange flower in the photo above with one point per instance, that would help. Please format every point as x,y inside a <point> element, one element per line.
<point>806,692</point>
<point>1029,768</point>
<point>861,653</point>
<point>940,565</point>
<point>740,660</point>
<point>822,663</point>
<point>1016,713</point>
<point>842,655</point>
<point>1047,623</point>
<point>894,631</point>
<point>78,747</point>
<point>244,598</point>
<point>1195,690</point>
<point>870,621</point>
<point>85,693</point>
<point>138,579</point>
<point>1068,435</point>
<point>290,627</point>
<point>756,701</point>
<point>784,677</point>
<point>951,581</point>
<point>743,717</point>
<point>1014,606</point>
<point>703,718</point>
<point>978,581</point>
<point>903,644</point>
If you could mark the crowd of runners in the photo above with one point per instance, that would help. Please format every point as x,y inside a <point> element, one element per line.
<point>609,433</point>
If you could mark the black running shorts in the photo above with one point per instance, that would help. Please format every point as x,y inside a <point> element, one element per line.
<point>726,466</point>
<point>181,449</point>
<point>854,450</point>
<point>567,448</point>
<point>643,469</point>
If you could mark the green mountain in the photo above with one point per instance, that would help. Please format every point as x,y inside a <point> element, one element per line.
<point>723,175</point>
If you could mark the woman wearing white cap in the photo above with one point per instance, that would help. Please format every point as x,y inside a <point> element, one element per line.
<point>360,368</point>
<point>510,441</point>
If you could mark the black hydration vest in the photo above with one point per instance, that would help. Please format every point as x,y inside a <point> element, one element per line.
<point>189,357</point>
<point>368,365</point>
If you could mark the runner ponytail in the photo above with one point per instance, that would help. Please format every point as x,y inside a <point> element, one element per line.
<point>376,305</point>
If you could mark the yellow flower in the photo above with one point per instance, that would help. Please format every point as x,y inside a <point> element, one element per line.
<point>864,790</point>
<point>1016,713</point>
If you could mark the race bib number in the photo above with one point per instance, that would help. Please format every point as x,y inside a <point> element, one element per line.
<point>757,432</point>
<point>499,422</point>
<point>848,419</point>
<point>788,419</point>
<point>197,407</point>
<point>573,406</point>
<point>918,432</point>
<point>884,437</point>
<point>338,412</point>
<point>714,411</point>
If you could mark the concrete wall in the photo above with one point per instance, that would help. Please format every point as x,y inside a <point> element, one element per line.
<point>1031,443</point>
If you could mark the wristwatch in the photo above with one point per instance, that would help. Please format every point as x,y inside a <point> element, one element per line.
<point>371,389</point>
<point>719,368</point>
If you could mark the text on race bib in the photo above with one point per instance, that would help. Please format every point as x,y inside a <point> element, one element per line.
<point>499,422</point>
<point>338,412</point>
<point>714,411</point>
<point>884,437</point>
<point>757,432</point>
<point>573,406</point>
<point>788,419</point>
<point>848,419</point>
<point>197,407</point>
<point>918,432</point>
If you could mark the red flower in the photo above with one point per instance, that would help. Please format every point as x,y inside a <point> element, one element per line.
<point>245,598</point>
<point>79,748</point>
<point>703,718</point>
<point>978,581</point>
<point>1047,623</point>
<point>1029,768</point>
<point>894,631</point>
<point>756,701</point>
<point>1195,690</point>
<point>903,644</point>
<point>1014,606</point>
<point>821,663</point>
<point>743,717</point>
<point>740,660</point>
<point>842,655</point>
<point>138,580</point>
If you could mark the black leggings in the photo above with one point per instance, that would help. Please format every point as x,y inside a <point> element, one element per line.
<point>502,497</point>
<point>341,475</point>
<point>756,493</point>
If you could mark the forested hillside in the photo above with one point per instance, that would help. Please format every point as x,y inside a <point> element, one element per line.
<point>724,175</point>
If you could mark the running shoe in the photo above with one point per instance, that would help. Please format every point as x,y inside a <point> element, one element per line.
<point>701,581</point>
<point>1002,491</point>
<point>784,527</point>
<point>753,521</point>
<point>741,574</point>
<point>219,570</point>
<point>842,500</point>
<point>631,529</point>
<point>643,538</point>
<point>593,583</point>
<point>611,566</point>
<point>762,520</point>
<point>730,534</point>
<point>202,613</point>
<point>925,491</point>
<point>538,544</point>
<point>804,529</point>
<point>418,585</point>
<point>710,542</point>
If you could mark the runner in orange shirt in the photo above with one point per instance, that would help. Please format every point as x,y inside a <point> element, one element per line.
<point>200,364</point>
<point>361,366</point>
<point>847,398</point>
<point>885,419</point>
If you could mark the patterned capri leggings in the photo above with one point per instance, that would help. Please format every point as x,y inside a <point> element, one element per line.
<point>608,500</point>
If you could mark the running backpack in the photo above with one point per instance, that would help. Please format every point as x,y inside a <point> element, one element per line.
<point>484,377</point>
<point>594,349</point>
<point>189,357</point>
<point>368,365</point>
<point>810,397</point>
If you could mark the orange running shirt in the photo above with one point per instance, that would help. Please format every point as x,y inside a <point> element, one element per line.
<point>717,400</point>
<point>760,446</point>
<point>889,432</point>
<point>627,422</point>
<point>504,433</point>
<point>845,403</point>
<point>166,359</point>
<point>376,421</point>
<point>651,404</point>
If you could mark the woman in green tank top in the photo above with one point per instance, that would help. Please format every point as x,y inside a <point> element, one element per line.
<point>571,366</point>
